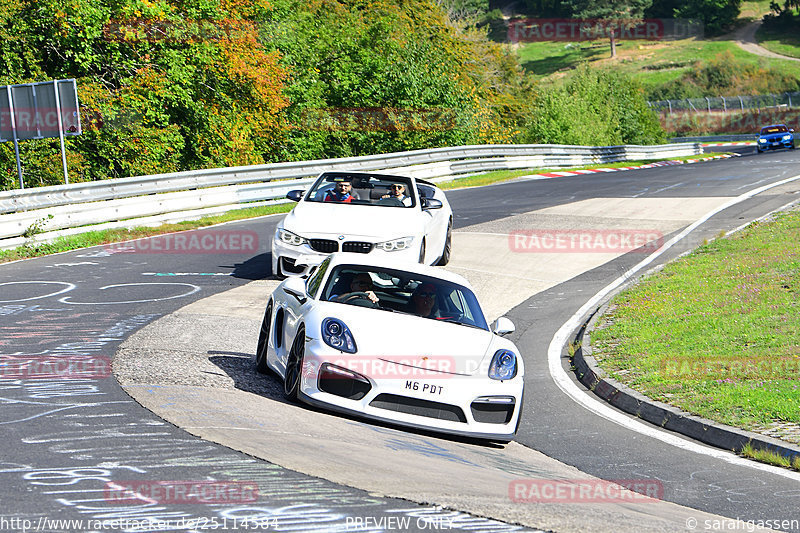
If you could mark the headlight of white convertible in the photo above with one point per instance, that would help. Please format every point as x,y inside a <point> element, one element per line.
<point>395,245</point>
<point>290,238</point>
<point>503,366</point>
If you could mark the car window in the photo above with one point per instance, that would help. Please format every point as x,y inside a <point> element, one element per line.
<point>315,280</point>
<point>364,189</point>
<point>774,129</point>
<point>403,292</point>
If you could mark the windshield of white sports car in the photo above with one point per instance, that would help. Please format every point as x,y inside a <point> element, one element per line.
<point>404,292</point>
<point>362,189</point>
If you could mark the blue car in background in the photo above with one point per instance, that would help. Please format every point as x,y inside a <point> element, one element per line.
<point>775,137</point>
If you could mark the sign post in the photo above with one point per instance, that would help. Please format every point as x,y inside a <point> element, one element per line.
<point>39,111</point>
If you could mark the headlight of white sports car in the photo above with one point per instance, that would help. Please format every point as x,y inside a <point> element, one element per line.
<point>503,366</point>
<point>395,245</point>
<point>288,237</point>
<point>337,335</point>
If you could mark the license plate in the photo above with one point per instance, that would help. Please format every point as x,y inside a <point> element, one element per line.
<point>426,388</point>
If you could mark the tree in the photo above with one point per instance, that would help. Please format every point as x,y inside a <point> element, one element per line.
<point>613,14</point>
<point>594,107</point>
<point>717,15</point>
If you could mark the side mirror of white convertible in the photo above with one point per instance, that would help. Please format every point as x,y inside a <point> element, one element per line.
<point>502,326</point>
<point>296,287</point>
<point>295,195</point>
<point>431,203</point>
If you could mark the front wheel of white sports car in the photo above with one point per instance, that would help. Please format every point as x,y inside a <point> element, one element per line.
<point>263,341</point>
<point>294,365</point>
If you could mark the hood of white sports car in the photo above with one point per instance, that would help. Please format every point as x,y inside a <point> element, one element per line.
<point>418,342</point>
<point>354,221</point>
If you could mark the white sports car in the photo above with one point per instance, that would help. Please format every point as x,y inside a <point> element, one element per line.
<point>396,342</point>
<point>401,217</point>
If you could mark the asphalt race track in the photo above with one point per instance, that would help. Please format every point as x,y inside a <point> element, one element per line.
<point>71,445</point>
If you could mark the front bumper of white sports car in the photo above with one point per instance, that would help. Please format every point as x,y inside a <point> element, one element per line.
<point>464,405</point>
<point>284,256</point>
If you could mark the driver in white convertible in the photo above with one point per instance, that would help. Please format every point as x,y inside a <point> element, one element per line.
<point>398,192</point>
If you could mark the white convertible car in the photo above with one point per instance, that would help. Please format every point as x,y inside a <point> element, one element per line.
<point>401,217</point>
<point>396,342</point>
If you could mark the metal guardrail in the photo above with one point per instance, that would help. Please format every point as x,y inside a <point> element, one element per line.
<point>744,137</point>
<point>125,202</point>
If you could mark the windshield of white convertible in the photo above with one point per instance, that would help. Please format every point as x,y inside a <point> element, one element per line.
<point>362,189</point>
<point>404,292</point>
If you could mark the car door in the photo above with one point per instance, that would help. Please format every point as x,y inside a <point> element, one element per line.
<point>294,305</point>
<point>430,224</point>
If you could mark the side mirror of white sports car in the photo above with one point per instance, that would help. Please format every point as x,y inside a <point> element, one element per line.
<point>296,287</point>
<point>502,326</point>
<point>431,203</point>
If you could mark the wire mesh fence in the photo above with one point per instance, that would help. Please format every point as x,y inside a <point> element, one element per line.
<point>727,104</point>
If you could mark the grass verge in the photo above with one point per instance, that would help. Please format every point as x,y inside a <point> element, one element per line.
<point>772,458</point>
<point>94,238</point>
<point>716,333</point>
<point>780,42</point>
<point>500,176</point>
<point>652,63</point>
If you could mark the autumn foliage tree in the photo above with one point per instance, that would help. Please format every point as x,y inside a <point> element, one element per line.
<point>164,85</point>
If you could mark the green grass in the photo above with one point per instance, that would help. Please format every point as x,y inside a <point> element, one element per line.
<point>754,10</point>
<point>772,458</point>
<point>716,333</point>
<point>94,238</point>
<point>651,63</point>
<point>779,42</point>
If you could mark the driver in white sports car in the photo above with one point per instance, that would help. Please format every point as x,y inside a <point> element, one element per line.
<point>362,283</point>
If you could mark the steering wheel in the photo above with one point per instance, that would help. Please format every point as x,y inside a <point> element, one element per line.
<point>360,299</point>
